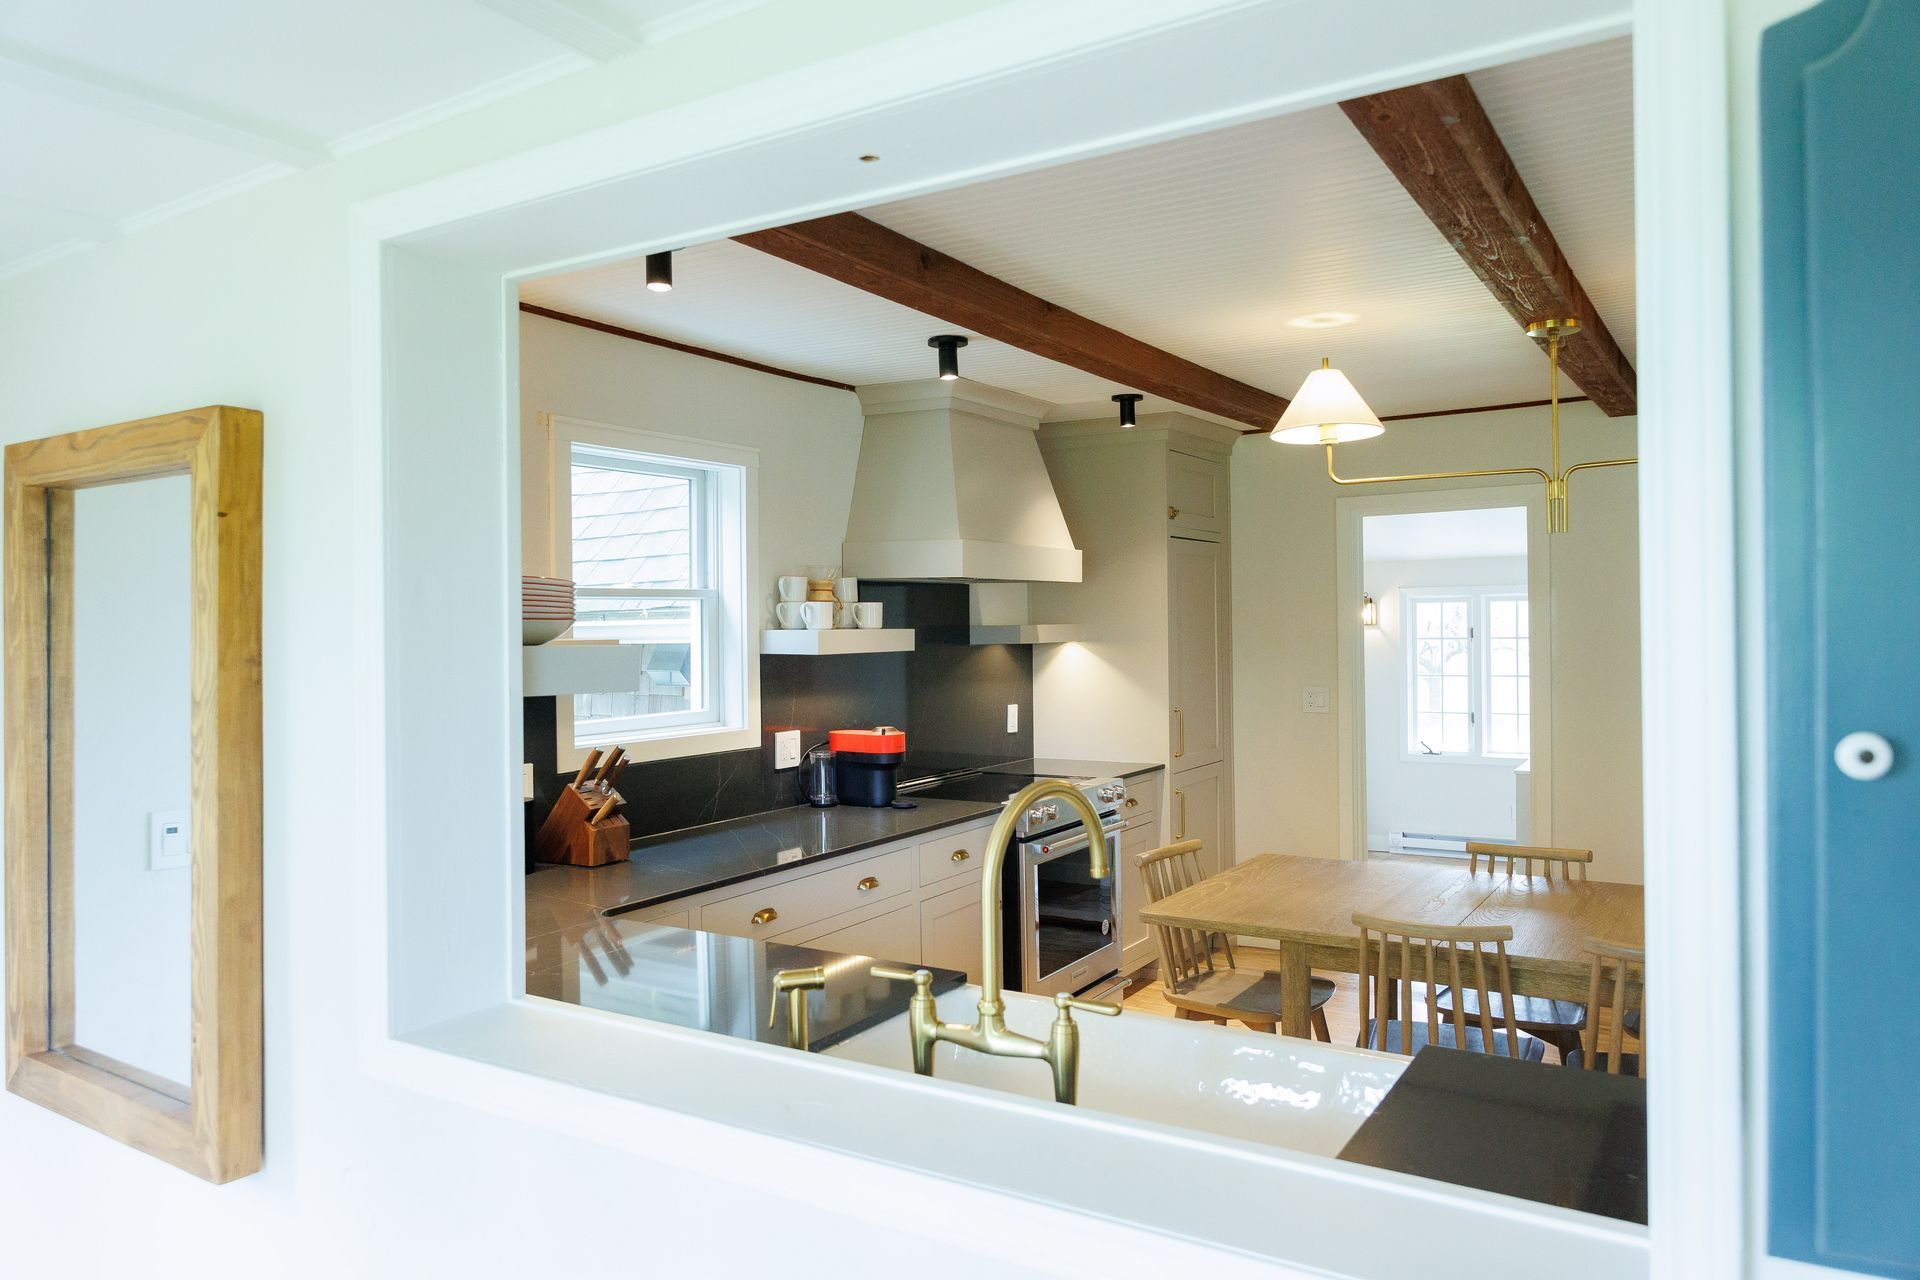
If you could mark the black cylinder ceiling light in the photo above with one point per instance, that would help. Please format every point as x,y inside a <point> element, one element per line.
<point>949,345</point>
<point>660,271</point>
<point>1126,401</point>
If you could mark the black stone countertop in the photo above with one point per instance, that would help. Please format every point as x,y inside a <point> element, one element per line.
<point>1559,1135</point>
<point>710,982</point>
<point>678,864</point>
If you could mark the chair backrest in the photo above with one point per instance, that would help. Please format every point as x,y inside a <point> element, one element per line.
<point>1572,863</point>
<point>1628,996</point>
<point>1184,953</point>
<point>1394,954</point>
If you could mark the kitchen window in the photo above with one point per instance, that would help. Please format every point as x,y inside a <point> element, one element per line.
<point>655,533</point>
<point>1469,676</point>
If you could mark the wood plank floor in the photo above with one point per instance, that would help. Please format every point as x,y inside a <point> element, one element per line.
<point>1343,1011</point>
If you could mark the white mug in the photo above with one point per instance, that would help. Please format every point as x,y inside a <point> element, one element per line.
<point>793,587</point>
<point>866,613</point>
<point>792,614</point>
<point>843,615</point>
<point>819,614</point>
<point>846,590</point>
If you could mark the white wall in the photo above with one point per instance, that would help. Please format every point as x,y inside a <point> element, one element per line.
<point>1451,796</point>
<point>132,750</point>
<point>247,302</point>
<point>1286,762</point>
<point>808,436</point>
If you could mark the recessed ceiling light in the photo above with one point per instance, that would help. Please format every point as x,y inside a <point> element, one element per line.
<point>1323,320</point>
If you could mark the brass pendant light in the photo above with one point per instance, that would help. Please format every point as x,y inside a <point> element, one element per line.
<point>1328,411</point>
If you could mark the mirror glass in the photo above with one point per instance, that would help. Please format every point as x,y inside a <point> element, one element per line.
<point>129,766</point>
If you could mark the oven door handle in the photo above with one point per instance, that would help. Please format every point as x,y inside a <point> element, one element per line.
<point>1054,848</point>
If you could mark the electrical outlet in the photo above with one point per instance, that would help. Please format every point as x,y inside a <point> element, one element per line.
<point>1013,717</point>
<point>526,781</point>
<point>786,749</point>
<point>169,842</point>
<point>1316,698</point>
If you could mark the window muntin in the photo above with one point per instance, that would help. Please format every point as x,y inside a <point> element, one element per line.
<point>1468,674</point>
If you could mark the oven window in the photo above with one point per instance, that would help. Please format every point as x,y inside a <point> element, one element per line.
<point>1073,910</point>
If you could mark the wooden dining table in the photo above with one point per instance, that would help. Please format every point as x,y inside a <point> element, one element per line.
<point>1305,906</point>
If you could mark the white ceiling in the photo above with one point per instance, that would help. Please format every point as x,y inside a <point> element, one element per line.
<point>1446,535</point>
<point>1207,246</point>
<point>120,112</point>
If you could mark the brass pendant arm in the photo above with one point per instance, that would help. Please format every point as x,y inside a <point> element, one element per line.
<point>1610,462</point>
<point>1432,475</point>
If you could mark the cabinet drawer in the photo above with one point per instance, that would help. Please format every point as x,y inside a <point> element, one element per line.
<point>888,935</point>
<point>953,854</point>
<point>796,903</point>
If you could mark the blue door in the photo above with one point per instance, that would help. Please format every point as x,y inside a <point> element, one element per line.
<point>1840,141</point>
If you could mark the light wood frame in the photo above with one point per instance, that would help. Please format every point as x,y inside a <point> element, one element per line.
<point>212,1128</point>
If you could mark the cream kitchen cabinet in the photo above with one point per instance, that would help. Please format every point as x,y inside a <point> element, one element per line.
<point>950,929</point>
<point>1196,496</point>
<point>1197,671</point>
<point>1141,835</point>
<point>1196,810</point>
<point>887,931</point>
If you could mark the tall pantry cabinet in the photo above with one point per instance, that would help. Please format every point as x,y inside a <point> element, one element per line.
<point>1150,678</point>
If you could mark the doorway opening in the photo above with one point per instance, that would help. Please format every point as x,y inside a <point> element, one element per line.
<point>1447,673</point>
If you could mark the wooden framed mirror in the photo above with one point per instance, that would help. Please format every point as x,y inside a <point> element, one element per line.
<point>133,812</point>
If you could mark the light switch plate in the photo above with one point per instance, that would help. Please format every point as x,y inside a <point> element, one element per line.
<point>786,749</point>
<point>1013,717</point>
<point>169,842</point>
<point>1317,698</point>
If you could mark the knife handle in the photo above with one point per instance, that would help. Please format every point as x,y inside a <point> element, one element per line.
<point>606,808</point>
<point>593,758</point>
<point>612,762</point>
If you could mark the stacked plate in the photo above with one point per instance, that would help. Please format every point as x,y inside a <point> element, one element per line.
<point>546,608</point>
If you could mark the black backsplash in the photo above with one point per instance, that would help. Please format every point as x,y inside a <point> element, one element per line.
<point>950,696</point>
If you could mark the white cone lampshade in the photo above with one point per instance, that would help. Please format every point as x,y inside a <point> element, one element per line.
<point>1326,410</point>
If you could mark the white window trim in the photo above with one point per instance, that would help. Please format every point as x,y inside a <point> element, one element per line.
<point>1478,598</point>
<point>734,653</point>
<point>428,375</point>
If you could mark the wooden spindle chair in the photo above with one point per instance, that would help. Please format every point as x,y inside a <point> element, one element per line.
<point>1627,996</point>
<point>1558,1022</point>
<point>1572,863</point>
<point>1192,982</point>
<point>1398,955</point>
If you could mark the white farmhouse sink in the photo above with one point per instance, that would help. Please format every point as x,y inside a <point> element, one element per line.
<point>1251,1086</point>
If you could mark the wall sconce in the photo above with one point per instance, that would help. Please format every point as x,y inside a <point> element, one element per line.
<point>1369,612</point>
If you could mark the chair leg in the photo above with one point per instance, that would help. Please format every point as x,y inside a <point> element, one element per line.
<point>1271,1028</point>
<point>1320,1030</point>
<point>1187,1015</point>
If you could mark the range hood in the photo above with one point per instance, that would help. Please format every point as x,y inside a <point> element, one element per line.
<point>951,488</point>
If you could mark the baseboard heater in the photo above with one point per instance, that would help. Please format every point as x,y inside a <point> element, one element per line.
<point>1428,842</point>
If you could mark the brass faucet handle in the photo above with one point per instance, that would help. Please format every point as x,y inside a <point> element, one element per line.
<point>789,981</point>
<point>1063,1002</point>
<point>920,978</point>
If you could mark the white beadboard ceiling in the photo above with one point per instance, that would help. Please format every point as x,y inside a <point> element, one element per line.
<point>1207,246</point>
<point>117,113</point>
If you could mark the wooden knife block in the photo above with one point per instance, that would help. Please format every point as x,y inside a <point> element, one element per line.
<point>570,836</point>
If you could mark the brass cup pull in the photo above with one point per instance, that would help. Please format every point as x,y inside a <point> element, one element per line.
<point>867,885</point>
<point>765,915</point>
<point>961,855</point>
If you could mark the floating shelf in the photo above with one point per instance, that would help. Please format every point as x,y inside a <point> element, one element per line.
<point>579,666</point>
<point>1025,633</point>
<point>838,640</point>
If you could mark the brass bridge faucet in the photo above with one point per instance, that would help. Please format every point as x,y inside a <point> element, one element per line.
<point>1061,1049</point>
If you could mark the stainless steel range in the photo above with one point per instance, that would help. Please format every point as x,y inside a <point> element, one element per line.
<point>1061,925</point>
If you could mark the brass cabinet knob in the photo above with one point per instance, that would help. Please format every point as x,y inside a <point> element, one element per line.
<point>1173,513</point>
<point>961,855</point>
<point>1132,803</point>
<point>765,915</point>
<point>867,885</point>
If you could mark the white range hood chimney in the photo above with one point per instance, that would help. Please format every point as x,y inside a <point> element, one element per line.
<point>951,487</point>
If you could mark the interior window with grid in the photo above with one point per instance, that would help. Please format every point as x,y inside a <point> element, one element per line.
<point>643,574</point>
<point>1468,674</point>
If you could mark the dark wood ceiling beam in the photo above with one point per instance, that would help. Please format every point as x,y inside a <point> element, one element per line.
<point>1438,142</point>
<point>859,251</point>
